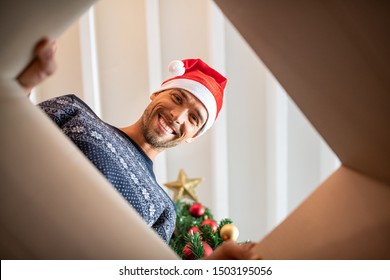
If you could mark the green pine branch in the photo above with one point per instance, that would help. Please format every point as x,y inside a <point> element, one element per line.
<point>184,222</point>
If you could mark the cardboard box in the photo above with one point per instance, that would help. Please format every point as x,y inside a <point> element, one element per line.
<point>332,58</point>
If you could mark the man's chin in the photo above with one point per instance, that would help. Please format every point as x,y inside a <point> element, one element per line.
<point>159,143</point>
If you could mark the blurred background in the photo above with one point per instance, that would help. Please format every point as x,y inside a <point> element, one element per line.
<point>261,158</point>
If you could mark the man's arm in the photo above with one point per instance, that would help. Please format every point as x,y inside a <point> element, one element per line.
<point>42,66</point>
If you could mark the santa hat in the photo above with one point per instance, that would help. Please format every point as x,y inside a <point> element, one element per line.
<point>202,81</point>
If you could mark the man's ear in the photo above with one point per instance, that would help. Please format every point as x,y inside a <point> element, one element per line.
<point>152,96</point>
<point>190,140</point>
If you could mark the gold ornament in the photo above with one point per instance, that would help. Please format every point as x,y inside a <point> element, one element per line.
<point>229,232</point>
<point>184,187</point>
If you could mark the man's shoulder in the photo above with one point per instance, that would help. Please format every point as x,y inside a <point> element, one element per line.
<point>66,108</point>
<point>63,100</point>
<point>66,102</point>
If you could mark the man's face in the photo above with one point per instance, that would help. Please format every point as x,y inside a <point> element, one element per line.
<point>173,116</point>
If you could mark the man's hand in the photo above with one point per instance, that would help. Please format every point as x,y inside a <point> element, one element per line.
<point>229,250</point>
<point>42,66</point>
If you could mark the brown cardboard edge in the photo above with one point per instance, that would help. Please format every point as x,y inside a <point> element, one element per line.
<point>347,217</point>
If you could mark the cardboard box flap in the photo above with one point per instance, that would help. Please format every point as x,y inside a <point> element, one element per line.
<point>331,57</point>
<point>347,217</point>
<point>24,23</point>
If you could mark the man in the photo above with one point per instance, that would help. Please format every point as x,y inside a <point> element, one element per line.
<point>183,108</point>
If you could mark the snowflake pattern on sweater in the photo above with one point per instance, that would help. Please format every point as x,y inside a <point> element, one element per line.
<point>120,160</point>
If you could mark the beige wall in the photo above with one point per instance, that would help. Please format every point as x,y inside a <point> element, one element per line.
<point>68,78</point>
<point>122,59</point>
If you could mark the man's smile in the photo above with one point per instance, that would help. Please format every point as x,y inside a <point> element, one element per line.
<point>164,124</point>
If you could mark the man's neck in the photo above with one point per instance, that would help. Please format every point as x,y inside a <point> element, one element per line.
<point>134,131</point>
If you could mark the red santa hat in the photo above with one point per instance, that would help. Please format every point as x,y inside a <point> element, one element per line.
<point>204,82</point>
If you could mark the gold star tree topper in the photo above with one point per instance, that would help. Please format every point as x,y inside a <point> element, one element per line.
<point>184,187</point>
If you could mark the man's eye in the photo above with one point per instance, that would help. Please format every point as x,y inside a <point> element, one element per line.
<point>194,119</point>
<point>177,98</point>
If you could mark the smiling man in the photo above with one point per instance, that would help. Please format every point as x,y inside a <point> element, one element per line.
<point>183,108</point>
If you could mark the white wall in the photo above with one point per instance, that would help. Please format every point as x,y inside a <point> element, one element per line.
<point>261,158</point>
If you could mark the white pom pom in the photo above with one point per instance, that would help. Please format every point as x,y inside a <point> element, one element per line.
<point>176,68</point>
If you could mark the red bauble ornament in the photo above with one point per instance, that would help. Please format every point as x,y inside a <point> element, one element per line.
<point>192,230</point>
<point>207,249</point>
<point>187,252</point>
<point>213,224</point>
<point>197,210</point>
<point>190,256</point>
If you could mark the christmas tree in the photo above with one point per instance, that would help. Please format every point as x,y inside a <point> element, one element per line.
<point>197,234</point>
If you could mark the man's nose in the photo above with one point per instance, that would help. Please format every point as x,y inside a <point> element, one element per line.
<point>179,115</point>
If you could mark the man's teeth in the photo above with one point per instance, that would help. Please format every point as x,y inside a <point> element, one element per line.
<point>165,126</point>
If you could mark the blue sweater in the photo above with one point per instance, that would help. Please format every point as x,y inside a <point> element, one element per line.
<point>120,160</point>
